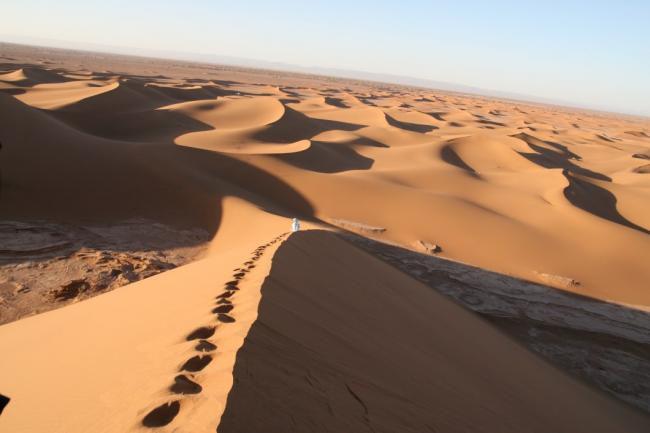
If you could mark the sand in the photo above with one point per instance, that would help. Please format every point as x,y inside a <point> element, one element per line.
<point>320,336</point>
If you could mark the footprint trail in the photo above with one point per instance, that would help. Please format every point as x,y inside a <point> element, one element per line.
<point>187,378</point>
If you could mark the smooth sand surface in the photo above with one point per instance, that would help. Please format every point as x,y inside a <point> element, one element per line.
<point>541,193</point>
<point>343,342</point>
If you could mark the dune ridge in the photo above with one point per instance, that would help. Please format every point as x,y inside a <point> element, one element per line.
<point>538,193</point>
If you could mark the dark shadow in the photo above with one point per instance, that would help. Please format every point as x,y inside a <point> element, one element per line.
<point>162,415</point>
<point>343,343</point>
<point>4,401</point>
<point>205,346</point>
<point>407,126</point>
<point>335,102</point>
<point>288,91</point>
<point>642,169</point>
<point>121,181</point>
<point>35,74</point>
<point>289,101</point>
<point>604,344</point>
<point>367,101</point>
<point>595,200</point>
<point>437,115</point>
<point>449,155</point>
<point>13,92</point>
<point>224,318</point>
<point>638,134</point>
<point>71,290</point>
<point>580,192</point>
<point>325,157</point>
<point>226,295</point>
<point>223,309</point>
<point>196,363</point>
<point>201,333</point>
<point>294,126</point>
<point>184,385</point>
<point>560,148</point>
<point>488,122</point>
<point>560,158</point>
<point>226,83</point>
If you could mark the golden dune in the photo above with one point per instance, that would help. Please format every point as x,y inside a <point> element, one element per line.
<point>270,331</point>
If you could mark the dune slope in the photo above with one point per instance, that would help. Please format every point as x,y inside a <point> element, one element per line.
<point>340,341</point>
<point>344,342</point>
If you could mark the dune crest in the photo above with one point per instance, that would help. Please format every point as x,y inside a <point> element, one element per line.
<point>255,330</point>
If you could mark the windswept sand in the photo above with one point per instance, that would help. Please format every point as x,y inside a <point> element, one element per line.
<point>331,338</point>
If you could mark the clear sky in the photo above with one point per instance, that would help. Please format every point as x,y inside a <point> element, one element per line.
<point>589,53</point>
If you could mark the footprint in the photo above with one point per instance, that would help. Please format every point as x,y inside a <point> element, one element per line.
<point>205,346</point>
<point>183,385</point>
<point>201,333</point>
<point>224,301</point>
<point>232,283</point>
<point>162,415</point>
<point>196,363</point>
<point>4,401</point>
<point>223,309</point>
<point>225,318</point>
<point>225,295</point>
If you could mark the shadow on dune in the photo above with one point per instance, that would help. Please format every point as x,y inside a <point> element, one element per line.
<point>325,157</point>
<point>343,342</point>
<point>13,92</point>
<point>437,115</point>
<point>449,155</point>
<point>34,74</point>
<point>142,126</point>
<point>336,102</point>
<point>407,126</point>
<point>559,158</point>
<point>580,192</point>
<point>79,178</point>
<point>488,121</point>
<point>40,74</point>
<point>596,200</point>
<point>294,126</point>
<point>605,344</point>
<point>4,401</point>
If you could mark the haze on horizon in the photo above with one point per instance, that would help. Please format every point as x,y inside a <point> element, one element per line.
<point>589,54</point>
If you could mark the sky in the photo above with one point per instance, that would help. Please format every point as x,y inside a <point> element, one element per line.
<point>593,54</point>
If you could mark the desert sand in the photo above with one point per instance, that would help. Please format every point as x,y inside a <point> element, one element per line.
<point>251,328</point>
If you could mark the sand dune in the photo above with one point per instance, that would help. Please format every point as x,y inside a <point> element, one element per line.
<point>487,166</point>
<point>322,376</point>
<point>229,114</point>
<point>317,336</point>
<point>59,95</point>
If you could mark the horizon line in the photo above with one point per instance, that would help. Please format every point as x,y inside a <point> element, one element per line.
<point>325,72</point>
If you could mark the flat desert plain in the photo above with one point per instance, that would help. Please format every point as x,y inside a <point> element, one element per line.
<point>464,264</point>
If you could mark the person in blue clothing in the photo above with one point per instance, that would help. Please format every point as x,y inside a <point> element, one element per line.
<point>295,225</point>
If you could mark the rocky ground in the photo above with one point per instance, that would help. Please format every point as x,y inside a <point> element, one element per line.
<point>605,344</point>
<point>46,265</point>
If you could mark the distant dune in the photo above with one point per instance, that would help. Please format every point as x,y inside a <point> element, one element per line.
<point>269,332</point>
